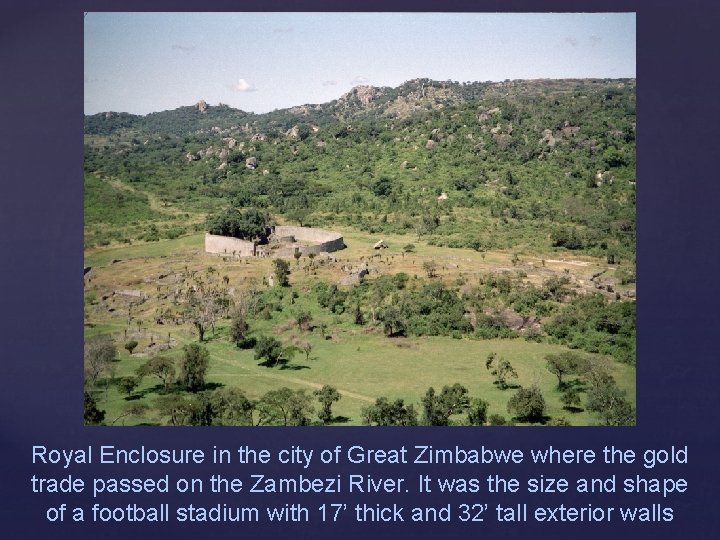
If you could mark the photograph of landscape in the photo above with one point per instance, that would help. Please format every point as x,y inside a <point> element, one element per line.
<point>359,219</point>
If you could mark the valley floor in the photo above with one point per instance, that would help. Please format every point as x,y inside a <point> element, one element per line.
<point>126,288</point>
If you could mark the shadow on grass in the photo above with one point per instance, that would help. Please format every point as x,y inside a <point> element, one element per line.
<point>507,386</point>
<point>534,421</point>
<point>340,420</point>
<point>157,389</point>
<point>574,384</point>
<point>294,367</point>
<point>160,390</point>
<point>283,363</point>
<point>268,364</point>
<point>572,409</point>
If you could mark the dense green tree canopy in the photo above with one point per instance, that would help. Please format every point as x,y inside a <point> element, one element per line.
<point>246,224</point>
<point>527,404</point>
<point>438,408</point>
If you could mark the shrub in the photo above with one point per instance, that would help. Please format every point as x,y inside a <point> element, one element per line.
<point>528,404</point>
<point>130,346</point>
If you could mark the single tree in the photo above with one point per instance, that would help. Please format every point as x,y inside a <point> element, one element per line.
<point>327,395</point>
<point>130,346</point>
<point>502,371</point>
<point>430,268</point>
<point>205,299</point>
<point>528,404</point>
<point>608,401</point>
<point>269,349</point>
<point>298,215</point>
<point>306,347</point>
<point>193,367</point>
<point>393,321</point>
<point>161,367</point>
<point>565,363</point>
<point>383,186</point>
<point>239,329</point>
<point>304,320</point>
<point>128,385</point>
<point>281,269</point>
<point>358,317</point>
<point>477,412</point>
<point>285,407</point>
<point>438,408</point>
<point>100,355</point>
<point>93,416</point>
<point>233,408</point>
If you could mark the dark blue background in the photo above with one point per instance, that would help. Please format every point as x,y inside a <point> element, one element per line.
<point>41,218</point>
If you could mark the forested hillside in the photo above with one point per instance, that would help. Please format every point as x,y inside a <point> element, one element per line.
<point>536,163</point>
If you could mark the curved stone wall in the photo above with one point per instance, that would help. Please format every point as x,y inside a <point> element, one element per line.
<point>227,245</point>
<point>322,241</point>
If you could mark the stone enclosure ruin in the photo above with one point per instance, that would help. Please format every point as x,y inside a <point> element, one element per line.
<point>284,241</point>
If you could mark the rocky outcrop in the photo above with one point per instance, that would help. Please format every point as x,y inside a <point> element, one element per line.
<point>548,137</point>
<point>201,106</point>
<point>569,131</point>
<point>484,116</point>
<point>251,163</point>
<point>352,279</point>
<point>355,274</point>
<point>304,110</point>
<point>363,94</point>
<point>128,293</point>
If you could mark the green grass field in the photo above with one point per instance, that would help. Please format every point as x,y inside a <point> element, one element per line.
<point>364,367</point>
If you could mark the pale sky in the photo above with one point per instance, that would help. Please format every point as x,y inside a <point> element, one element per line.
<point>148,62</point>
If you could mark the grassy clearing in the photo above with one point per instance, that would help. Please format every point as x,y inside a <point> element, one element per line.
<point>165,248</point>
<point>364,366</point>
